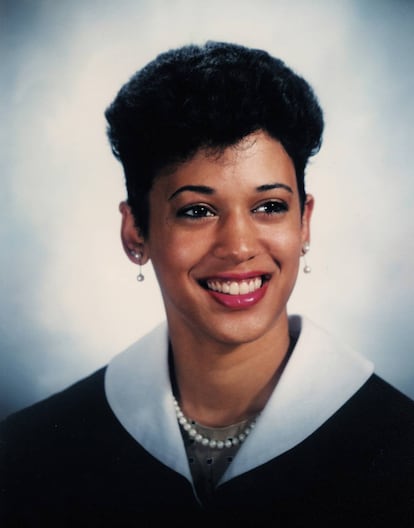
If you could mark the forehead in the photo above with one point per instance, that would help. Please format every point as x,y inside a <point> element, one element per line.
<point>256,160</point>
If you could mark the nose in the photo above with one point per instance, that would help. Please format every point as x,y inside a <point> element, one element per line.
<point>236,238</point>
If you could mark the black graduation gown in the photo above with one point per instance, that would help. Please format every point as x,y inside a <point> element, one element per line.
<point>67,461</point>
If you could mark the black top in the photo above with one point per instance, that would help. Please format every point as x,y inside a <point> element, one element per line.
<point>67,461</point>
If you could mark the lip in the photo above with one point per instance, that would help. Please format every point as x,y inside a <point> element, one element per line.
<point>242,301</point>
<point>239,302</point>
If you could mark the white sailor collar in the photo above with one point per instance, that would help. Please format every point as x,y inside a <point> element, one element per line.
<point>320,376</point>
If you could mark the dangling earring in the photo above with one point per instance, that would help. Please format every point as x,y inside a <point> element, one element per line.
<point>138,257</point>
<point>305,249</point>
<point>140,276</point>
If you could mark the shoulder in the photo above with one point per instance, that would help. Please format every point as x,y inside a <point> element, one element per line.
<point>377,420</point>
<point>359,464</point>
<point>59,409</point>
<point>381,407</point>
<point>77,416</point>
<point>384,417</point>
<point>373,434</point>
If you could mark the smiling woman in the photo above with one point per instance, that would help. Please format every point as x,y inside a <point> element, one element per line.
<point>203,233</point>
<point>231,412</point>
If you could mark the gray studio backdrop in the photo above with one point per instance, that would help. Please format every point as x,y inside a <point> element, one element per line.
<point>69,300</point>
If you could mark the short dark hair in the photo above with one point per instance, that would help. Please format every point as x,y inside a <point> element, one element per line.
<point>208,97</point>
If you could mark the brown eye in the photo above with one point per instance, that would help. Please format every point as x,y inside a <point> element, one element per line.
<point>195,211</point>
<point>271,207</point>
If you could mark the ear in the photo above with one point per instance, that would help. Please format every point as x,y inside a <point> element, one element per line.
<point>306,218</point>
<point>133,241</point>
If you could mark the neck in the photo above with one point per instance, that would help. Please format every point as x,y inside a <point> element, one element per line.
<point>219,384</point>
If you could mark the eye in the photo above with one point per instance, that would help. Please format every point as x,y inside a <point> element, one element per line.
<point>195,211</point>
<point>271,207</point>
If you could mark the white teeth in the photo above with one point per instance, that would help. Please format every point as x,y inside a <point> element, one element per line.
<point>244,288</point>
<point>234,287</point>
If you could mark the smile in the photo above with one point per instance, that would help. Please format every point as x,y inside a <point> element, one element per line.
<point>237,293</point>
<point>235,287</point>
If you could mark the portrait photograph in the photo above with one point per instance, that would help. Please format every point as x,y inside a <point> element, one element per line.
<point>206,289</point>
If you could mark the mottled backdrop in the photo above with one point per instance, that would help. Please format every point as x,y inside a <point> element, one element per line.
<point>69,299</point>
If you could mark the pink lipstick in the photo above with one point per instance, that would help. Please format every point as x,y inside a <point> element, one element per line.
<point>237,291</point>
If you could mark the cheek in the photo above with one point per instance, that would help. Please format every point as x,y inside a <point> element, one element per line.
<point>176,253</point>
<point>286,243</point>
<point>191,253</point>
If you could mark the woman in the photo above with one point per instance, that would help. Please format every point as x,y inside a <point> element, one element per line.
<point>231,412</point>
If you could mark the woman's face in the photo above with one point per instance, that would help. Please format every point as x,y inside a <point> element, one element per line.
<point>225,239</point>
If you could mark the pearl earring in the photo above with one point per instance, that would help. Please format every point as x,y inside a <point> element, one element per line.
<point>138,257</point>
<point>305,249</point>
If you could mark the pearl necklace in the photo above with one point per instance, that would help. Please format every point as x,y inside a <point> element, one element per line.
<point>189,427</point>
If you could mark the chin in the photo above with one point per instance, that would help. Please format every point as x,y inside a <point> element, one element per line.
<point>239,332</point>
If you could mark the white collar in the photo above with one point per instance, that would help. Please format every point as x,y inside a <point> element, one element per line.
<point>320,376</point>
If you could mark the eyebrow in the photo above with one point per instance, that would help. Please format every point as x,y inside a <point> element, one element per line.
<point>203,189</point>
<point>270,186</point>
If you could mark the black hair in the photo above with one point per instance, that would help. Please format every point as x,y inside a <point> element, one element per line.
<point>208,97</point>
